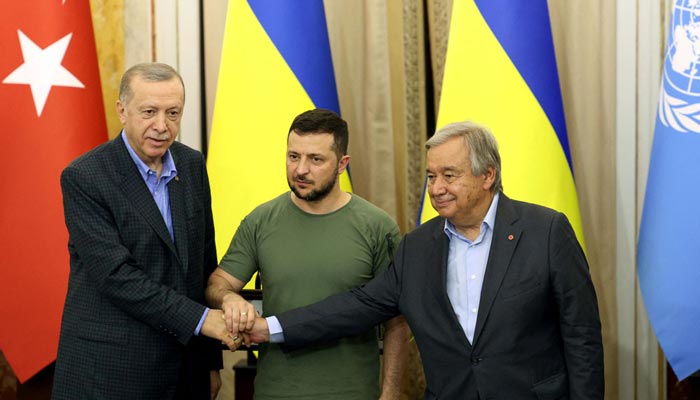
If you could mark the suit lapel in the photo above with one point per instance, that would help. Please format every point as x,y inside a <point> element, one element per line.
<point>136,191</point>
<point>439,251</point>
<point>179,216</point>
<point>506,235</point>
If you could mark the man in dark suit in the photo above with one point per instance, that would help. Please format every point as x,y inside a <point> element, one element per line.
<point>497,292</point>
<point>141,244</point>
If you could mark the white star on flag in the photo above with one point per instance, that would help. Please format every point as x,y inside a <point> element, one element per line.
<point>42,69</point>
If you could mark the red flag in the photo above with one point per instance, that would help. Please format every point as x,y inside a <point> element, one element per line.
<point>51,111</point>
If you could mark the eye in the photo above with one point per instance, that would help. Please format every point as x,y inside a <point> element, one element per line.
<point>173,114</point>
<point>317,160</point>
<point>292,157</point>
<point>148,113</point>
<point>431,178</point>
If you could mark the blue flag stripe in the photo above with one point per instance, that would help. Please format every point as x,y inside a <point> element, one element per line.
<point>422,201</point>
<point>298,30</point>
<point>524,31</point>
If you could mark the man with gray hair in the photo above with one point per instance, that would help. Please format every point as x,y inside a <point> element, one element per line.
<point>496,291</point>
<point>141,245</point>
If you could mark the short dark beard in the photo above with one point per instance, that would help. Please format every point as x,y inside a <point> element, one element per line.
<point>315,195</point>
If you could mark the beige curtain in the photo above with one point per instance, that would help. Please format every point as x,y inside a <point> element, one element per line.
<point>584,39</point>
<point>378,56</point>
<point>110,55</point>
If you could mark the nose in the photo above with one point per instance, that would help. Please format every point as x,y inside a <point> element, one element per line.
<point>302,166</point>
<point>159,124</point>
<point>437,186</point>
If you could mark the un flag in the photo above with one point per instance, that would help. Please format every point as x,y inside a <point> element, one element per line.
<point>668,250</point>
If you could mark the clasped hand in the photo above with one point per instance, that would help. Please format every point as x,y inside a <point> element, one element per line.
<point>243,323</point>
<point>235,324</point>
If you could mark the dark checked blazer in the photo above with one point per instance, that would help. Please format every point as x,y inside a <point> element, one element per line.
<point>537,333</point>
<point>134,297</point>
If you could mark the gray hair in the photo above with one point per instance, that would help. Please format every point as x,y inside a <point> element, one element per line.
<point>151,72</point>
<point>481,144</point>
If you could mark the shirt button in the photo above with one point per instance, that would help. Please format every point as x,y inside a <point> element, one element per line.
<point>474,310</point>
<point>473,277</point>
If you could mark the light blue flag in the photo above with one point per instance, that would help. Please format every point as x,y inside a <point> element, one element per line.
<point>669,241</point>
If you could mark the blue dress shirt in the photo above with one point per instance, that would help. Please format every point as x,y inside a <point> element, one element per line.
<point>466,266</point>
<point>158,186</point>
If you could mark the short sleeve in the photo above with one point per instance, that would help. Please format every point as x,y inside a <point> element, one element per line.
<point>240,259</point>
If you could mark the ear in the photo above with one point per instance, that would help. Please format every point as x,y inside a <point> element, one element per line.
<point>489,178</point>
<point>343,163</point>
<point>121,111</point>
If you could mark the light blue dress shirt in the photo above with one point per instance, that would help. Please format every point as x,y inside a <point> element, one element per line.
<point>275,329</point>
<point>158,186</point>
<point>466,266</point>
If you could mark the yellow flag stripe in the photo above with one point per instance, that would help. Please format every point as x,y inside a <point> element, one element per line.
<point>481,84</point>
<point>258,96</point>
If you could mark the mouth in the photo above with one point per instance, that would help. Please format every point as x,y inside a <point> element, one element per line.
<point>440,203</point>
<point>303,182</point>
<point>158,141</point>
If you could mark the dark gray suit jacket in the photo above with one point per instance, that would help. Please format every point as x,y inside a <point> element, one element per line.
<point>134,297</point>
<point>537,334</point>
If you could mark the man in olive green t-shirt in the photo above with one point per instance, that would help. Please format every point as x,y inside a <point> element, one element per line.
<point>308,244</point>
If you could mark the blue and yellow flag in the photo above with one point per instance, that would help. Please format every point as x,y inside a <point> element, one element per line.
<point>501,72</point>
<point>275,64</point>
<point>668,250</point>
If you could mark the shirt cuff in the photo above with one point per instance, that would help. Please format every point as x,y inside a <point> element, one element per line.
<point>201,322</point>
<point>276,333</point>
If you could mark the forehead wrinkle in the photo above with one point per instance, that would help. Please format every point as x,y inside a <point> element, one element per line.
<point>160,103</point>
<point>446,168</point>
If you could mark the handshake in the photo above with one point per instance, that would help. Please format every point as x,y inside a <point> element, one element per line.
<point>236,323</point>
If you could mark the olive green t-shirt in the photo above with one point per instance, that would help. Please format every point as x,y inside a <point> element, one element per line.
<point>303,258</point>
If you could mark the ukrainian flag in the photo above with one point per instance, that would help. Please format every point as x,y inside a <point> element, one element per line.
<point>275,64</point>
<point>501,72</point>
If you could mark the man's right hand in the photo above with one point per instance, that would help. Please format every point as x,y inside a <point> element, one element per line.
<point>258,333</point>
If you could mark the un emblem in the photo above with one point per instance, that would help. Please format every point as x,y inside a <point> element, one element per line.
<point>679,102</point>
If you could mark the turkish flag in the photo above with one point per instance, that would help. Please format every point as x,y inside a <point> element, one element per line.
<point>51,111</point>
